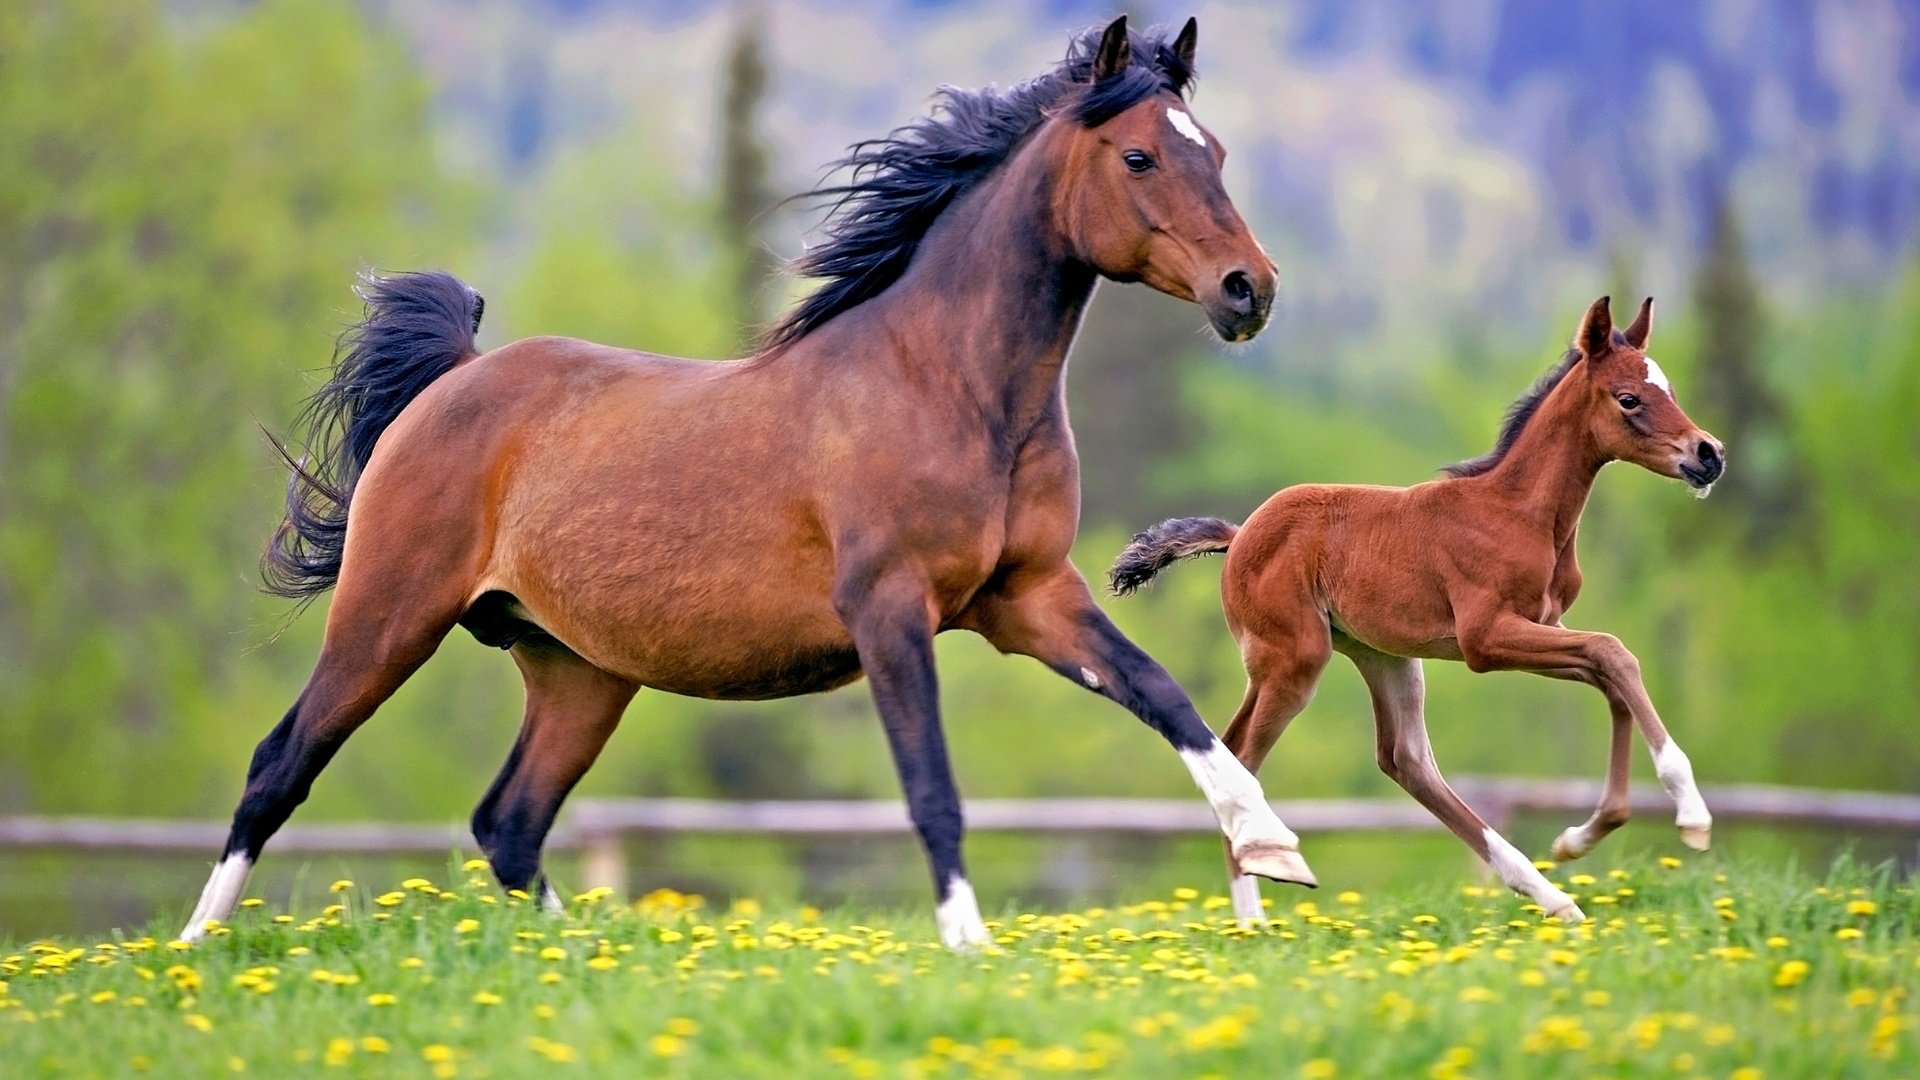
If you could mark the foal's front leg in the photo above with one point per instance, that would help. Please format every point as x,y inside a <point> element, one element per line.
<point>1510,642</point>
<point>1052,617</point>
<point>891,620</point>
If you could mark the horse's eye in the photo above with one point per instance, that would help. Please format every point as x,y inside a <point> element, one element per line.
<point>1629,402</point>
<point>1137,160</point>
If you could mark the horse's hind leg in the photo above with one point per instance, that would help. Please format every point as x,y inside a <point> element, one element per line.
<point>379,631</point>
<point>572,707</point>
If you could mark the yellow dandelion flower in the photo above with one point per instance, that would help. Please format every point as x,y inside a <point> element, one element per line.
<point>338,1052</point>
<point>1319,1069</point>
<point>1848,933</point>
<point>466,926</point>
<point>553,952</point>
<point>474,866</point>
<point>549,978</point>
<point>198,1023</point>
<point>1791,973</point>
<point>1669,862</point>
<point>252,902</point>
<point>486,997</point>
<point>1861,998</point>
<point>416,884</point>
<point>374,1044</point>
<point>1746,1072</point>
<point>1184,893</point>
<point>435,1053</point>
<point>557,1052</point>
<point>665,1045</point>
<point>683,1027</point>
<point>603,963</point>
<point>340,886</point>
<point>381,1000</point>
<point>1862,907</point>
<point>1777,942</point>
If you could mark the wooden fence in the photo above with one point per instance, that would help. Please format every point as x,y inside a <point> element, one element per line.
<point>601,829</point>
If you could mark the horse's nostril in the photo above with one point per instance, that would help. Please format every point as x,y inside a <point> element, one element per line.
<point>1237,287</point>
<point>1708,455</point>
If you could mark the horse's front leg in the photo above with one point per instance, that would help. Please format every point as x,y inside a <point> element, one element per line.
<point>1052,617</point>
<point>891,619</point>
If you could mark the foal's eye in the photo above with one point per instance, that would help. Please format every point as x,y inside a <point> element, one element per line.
<point>1137,160</point>
<point>1629,402</point>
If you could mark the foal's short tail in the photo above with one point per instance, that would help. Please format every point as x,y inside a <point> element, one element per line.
<point>416,328</point>
<point>1165,544</point>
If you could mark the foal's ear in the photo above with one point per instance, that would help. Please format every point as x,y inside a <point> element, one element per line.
<point>1642,327</point>
<point>1114,51</point>
<point>1183,44</point>
<point>1595,335</point>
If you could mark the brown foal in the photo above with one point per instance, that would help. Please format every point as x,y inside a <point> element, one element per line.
<point>1478,566</point>
<point>895,463</point>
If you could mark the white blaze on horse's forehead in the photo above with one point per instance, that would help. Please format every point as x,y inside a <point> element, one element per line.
<point>1184,124</point>
<point>1658,377</point>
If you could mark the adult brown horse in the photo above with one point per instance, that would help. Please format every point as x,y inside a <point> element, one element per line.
<point>894,463</point>
<point>1477,567</point>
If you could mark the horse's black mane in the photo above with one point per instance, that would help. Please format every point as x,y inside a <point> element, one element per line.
<point>1518,414</point>
<point>899,184</point>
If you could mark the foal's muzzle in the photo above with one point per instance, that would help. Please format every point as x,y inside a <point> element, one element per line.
<point>1705,465</point>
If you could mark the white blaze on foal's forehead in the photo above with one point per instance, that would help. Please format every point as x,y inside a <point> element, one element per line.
<point>1184,124</point>
<point>1658,377</point>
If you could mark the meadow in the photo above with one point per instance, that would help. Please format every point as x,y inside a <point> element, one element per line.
<point>1702,968</point>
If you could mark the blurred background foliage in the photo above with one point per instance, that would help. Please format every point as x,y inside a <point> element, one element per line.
<point>186,190</point>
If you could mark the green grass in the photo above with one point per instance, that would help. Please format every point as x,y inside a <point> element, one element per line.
<point>1702,970</point>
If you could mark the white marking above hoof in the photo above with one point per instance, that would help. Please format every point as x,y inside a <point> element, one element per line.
<point>1088,676</point>
<point>1245,890</point>
<point>1572,844</point>
<point>220,897</point>
<point>1570,913</point>
<point>958,917</point>
<point>550,901</point>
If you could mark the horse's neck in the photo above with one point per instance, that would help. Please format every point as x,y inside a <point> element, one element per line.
<point>1548,473</point>
<point>993,299</point>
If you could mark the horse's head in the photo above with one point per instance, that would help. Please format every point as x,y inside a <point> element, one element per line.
<point>1630,404</point>
<point>1141,197</point>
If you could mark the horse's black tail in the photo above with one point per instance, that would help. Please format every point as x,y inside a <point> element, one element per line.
<point>1165,544</point>
<point>416,328</point>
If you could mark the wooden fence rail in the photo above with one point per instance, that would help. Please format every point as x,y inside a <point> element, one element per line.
<point>600,829</point>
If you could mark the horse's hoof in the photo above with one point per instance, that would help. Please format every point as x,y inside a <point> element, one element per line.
<point>1278,863</point>
<point>967,940</point>
<point>1571,913</point>
<point>1697,837</point>
<point>1570,845</point>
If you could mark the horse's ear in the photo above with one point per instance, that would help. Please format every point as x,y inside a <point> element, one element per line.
<point>1595,335</point>
<point>1114,51</point>
<point>1183,44</point>
<point>1642,327</point>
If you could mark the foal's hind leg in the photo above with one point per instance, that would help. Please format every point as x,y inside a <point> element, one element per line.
<point>1398,689</point>
<point>572,707</point>
<point>378,633</point>
<point>1281,677</point>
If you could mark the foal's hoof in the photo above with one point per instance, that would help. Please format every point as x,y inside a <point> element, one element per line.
<point>966,939</point>
<point>1278,863</point>
<point>1697,837</point>
<point>1571,844</point>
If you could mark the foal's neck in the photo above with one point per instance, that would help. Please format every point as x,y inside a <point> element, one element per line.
<point>1548,472</point>
<point>994,297</point>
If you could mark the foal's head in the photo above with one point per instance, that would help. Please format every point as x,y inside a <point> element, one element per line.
<point>1630,404</point>
<point>1140,197</point>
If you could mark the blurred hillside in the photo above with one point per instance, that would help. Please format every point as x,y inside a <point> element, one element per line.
<point>186,190</point>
